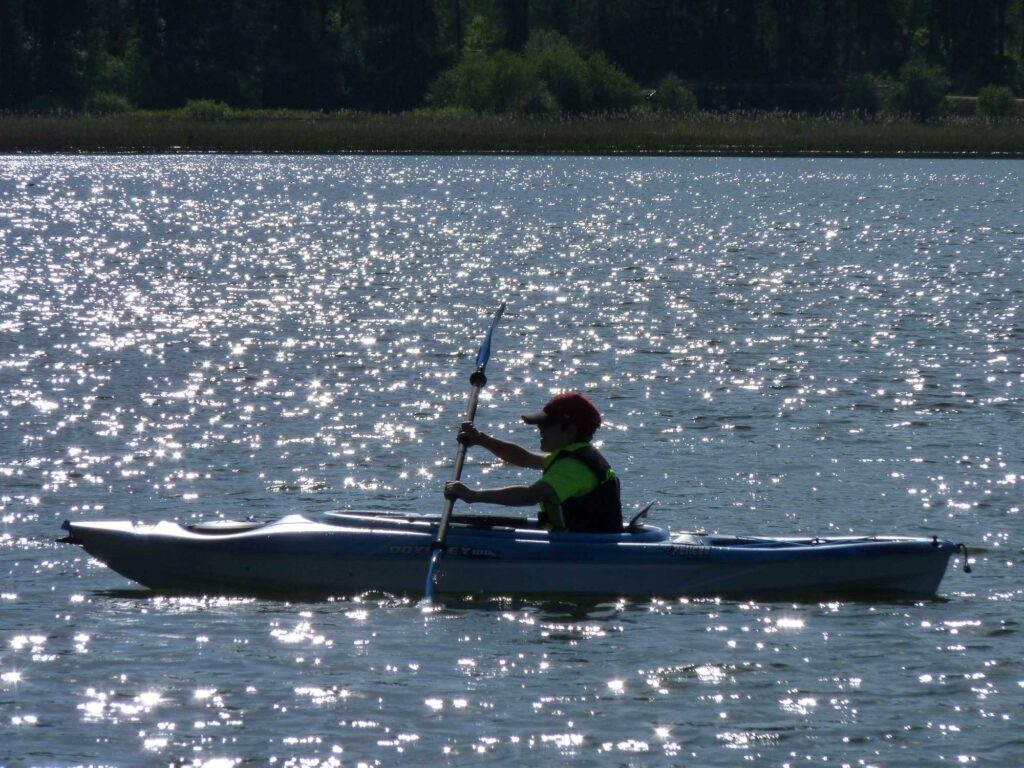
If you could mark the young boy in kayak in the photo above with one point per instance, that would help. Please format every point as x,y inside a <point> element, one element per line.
<point>578,491</point>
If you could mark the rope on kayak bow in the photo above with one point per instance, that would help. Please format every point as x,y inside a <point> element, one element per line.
<point>961,547</point>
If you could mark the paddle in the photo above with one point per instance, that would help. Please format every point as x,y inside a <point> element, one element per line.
<point>477,382</point>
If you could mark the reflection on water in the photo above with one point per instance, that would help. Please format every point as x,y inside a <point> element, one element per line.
<point>779,346</point>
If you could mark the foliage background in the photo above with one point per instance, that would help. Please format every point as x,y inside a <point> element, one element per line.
<point>542,56</point>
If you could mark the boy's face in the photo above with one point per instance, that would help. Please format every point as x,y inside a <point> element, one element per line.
<point>555,435</point>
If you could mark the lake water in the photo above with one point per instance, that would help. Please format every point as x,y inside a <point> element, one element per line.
<point>779,347</point>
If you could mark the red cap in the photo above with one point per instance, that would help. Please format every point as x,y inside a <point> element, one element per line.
<point>571,408</point>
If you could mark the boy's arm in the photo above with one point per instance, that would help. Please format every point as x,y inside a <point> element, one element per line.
<point>512,496</point>
<point>510,452</point>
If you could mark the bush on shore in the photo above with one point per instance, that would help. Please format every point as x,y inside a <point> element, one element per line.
<point>614,90</point>
<point>673,97</point>
<point>104,103</point>
<point>550,77</point>
<point>561,69</point>
<point>921,90</point>
<point>995,103</point>
<point>206,110</point>
<point>500,82</point>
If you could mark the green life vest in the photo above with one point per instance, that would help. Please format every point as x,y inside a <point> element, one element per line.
<point>599,510</point>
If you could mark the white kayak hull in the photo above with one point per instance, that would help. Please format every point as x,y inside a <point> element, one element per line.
<point>353,553</point>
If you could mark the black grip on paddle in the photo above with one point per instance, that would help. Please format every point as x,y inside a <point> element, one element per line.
<point>478,379</point>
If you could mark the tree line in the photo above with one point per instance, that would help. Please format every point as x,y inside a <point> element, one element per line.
<point>525,56</point>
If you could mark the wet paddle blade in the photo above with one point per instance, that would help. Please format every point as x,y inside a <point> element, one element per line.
<point>484,353</point>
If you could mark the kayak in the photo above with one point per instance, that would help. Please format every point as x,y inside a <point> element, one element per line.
<point>346,553</point>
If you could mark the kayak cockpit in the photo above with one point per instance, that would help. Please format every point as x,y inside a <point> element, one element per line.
<point>520,528</point>
<point>220,527</point>
<point>390,519</point>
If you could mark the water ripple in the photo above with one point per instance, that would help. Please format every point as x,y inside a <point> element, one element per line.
<point>779,346</point>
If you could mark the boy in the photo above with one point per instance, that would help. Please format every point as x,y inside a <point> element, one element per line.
<point>578,491</point>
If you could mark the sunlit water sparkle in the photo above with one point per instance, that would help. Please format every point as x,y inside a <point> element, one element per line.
<point>779,346</point>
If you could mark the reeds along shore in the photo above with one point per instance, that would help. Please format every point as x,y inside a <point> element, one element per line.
<point>701,133</point>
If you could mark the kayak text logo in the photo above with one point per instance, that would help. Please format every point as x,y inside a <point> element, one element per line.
<point>474,552</point>
<point>689,550</point>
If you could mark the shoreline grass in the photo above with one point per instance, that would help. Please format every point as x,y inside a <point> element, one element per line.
<point>739,134</point>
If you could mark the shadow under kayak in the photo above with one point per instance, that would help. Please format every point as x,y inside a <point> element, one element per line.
<point>351,553</point>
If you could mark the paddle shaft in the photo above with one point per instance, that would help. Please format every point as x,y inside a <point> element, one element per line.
<point>477,381</point>
<point>460,459</point>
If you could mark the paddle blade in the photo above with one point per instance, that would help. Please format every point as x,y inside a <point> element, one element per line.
<point>485,347</point>
<point>428,592</point>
